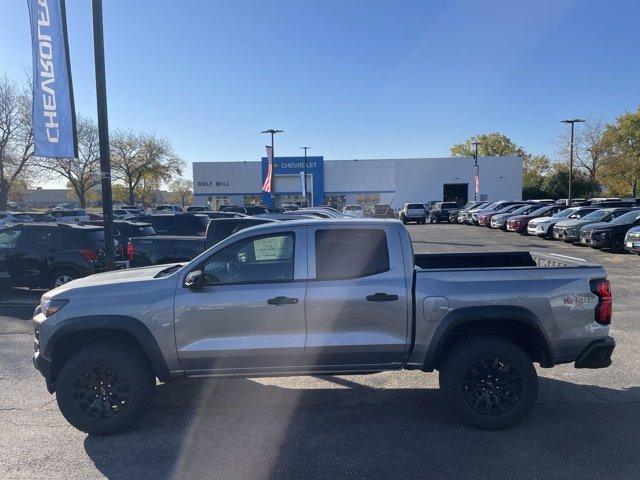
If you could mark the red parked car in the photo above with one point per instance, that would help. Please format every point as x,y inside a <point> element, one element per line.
<point>519,223</point>
<point>484,219</point>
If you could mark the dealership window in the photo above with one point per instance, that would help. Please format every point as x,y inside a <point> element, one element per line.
<point>367,199</point>
<point>217,201</point>
<point>252,200</point>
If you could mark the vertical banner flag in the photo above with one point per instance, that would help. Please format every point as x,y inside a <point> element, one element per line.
<point>54,125</point>
<point>476,179</point>
<point>304,184</point>
<point>268,181</point>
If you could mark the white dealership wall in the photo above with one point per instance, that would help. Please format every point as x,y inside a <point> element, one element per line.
<point>403,180</point>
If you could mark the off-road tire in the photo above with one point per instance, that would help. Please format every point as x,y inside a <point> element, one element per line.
<point>126,391</point>
<point>510,398</point>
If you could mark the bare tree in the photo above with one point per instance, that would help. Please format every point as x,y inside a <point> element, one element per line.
<point>588,148</point>
<point>182,189</point>
<point>82,173</point>
<point>16,136</point>
<point>141,156</point>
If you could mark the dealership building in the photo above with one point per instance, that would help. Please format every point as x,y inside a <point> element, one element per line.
<point>373,181</point>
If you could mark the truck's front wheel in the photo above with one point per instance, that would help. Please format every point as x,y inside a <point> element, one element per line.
<point>104,388</point>
<point>489,382</point>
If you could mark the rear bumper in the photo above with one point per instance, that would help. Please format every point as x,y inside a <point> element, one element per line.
<point>597,354</point>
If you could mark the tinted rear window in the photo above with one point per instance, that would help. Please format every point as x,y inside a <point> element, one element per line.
<point>224,229</point>
<point>350,253</point>
<point>414,206</point>
<point>93,237</point>
<point>449,205</point>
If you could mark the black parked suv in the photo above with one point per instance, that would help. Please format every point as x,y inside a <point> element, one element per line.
<point>47,255</point>
<point>158,249</point>
<point>610,235</point>
<point>176,224</point>
<point>441,210</point>
<point>250,210</point>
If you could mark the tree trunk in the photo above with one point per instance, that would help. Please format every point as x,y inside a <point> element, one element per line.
<point>82,199</point>
<point>131,199</point>
<point>634,189</point>
<point>4,194</point>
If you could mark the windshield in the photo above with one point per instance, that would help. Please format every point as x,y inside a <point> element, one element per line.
<point>597,215</point>
<point>416,206</point>
<point>566,213</point>
<point>628,217</point>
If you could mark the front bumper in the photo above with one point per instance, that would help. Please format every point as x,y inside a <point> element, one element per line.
<point>44,367</point>
<point>632,245</point>
<point>597,354</point>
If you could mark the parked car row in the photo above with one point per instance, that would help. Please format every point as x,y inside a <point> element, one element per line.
<point>611,224</point>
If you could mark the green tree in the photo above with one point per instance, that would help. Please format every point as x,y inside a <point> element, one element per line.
<point>555,183</point>
<point>534,167</point>
<point>489,145</point>
<point>622,164</point>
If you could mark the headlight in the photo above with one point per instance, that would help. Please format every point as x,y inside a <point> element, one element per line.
<point>49,306</point>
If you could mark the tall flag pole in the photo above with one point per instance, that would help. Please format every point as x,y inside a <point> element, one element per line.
<point>476,172</point>
<point>54,116</point>
<point>103,133</point>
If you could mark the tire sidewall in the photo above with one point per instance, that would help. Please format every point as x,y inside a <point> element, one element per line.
<point>457,364</point>
<point>58,273</point>
<point>141,385</point>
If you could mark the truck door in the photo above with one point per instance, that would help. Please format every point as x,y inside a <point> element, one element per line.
<point>357,297</point>
<point>250,313</point>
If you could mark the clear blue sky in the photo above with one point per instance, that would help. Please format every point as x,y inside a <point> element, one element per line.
<point>351,79</point>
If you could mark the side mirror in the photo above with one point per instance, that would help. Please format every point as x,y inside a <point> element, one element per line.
<point>194,280</point>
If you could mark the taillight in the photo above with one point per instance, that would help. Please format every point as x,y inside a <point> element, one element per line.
<point>90,255</point>
<point>602,288</point>
<point>131,250</point>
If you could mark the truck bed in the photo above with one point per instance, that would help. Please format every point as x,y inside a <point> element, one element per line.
<point>439,261</point>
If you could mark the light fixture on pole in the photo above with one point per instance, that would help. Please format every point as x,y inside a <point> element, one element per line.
<point>306,200</point>
<point>572,122</point>
<point>272,131</point>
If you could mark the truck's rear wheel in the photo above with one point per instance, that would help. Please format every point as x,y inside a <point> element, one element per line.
<point>489,382</point>
<point>103,389</point>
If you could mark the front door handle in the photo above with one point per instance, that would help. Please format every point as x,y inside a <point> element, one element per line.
<point>382,297</point>
<point>282,301</point>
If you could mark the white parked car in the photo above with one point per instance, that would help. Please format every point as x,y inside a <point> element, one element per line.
<point>70,216</point>
<point>11,218</point>
<point>354,211</point>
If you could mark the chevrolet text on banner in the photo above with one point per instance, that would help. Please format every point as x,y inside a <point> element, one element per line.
<point>53,110</point>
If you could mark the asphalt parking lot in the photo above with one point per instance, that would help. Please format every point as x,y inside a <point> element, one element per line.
<point>387,425</point>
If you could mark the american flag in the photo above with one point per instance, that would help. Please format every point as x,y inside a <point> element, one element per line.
<point>268,181</point>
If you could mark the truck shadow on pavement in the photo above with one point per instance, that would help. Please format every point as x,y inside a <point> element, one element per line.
<point>249,429</point>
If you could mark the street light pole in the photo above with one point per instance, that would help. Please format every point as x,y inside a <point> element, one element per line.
<point>306,201</point>
<point>103,134</point>
<point>572,122</point>
<point>475,169</point>
<point>273,131</point>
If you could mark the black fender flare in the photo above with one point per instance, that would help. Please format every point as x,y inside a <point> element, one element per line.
<point>490,312</point>
<point>123,323</point>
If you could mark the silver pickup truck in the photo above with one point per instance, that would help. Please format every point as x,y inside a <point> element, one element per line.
<point>323,297</point>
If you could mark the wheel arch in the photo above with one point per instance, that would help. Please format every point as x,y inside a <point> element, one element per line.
<point>75,333</point>
<point>515,323</point>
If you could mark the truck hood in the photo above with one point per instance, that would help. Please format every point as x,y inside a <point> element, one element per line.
<point>117,277</point>
<point>597,226</point>
<point>574,222</point>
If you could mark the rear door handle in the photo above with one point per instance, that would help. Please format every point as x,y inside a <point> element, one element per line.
<point>282,301</point>
<point>382,297</point>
